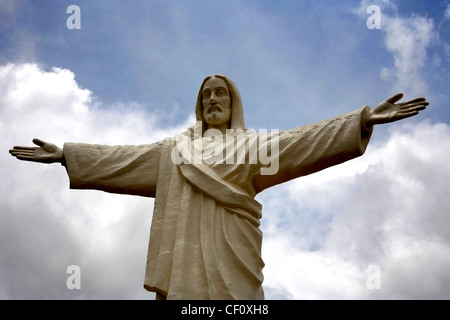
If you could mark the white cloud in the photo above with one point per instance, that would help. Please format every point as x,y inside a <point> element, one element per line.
<point>408,40</point>
<point>388,208</point>
<point>447,12</point>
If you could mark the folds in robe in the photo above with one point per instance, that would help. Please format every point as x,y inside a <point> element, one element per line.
<point>205,240</point>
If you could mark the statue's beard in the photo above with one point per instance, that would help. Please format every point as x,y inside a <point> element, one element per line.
<point>216,117</point>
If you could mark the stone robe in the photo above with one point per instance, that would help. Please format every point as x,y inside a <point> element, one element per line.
<point>205,240</point>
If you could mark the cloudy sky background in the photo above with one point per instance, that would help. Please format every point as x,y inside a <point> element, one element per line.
<point>131,76</point>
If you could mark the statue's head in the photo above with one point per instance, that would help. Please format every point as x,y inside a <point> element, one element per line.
<point>219,104</point>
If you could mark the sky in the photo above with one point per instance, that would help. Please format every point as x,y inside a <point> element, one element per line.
<point>375,227</point>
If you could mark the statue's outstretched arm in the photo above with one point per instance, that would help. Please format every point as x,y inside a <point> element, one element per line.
<point>390,111</point>
<point>45,152</point>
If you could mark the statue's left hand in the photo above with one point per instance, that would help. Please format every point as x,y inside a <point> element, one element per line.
<point>390,111</point>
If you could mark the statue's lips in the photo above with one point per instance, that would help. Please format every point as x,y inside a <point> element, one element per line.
<point>214,108</point>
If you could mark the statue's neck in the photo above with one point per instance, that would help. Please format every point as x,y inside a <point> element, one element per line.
<point>222,128</point>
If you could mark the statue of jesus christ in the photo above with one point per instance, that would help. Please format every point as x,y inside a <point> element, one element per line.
<point>205,241</point>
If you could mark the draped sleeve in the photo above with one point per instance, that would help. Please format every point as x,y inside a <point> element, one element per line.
<point>117,169</point>
<point>311,148</point>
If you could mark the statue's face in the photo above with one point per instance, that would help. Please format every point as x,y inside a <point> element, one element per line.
<point>216,103</point>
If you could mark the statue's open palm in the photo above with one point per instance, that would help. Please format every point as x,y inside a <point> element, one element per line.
<point>390,111</point>
<point>45,152</point>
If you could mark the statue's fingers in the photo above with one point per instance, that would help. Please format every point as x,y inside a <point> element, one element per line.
<point>26,158</point>
<point>23,148</point>
<point>18,153</point>
<point>407,114</point>
<point>416,100</point>
<point>421,105</point>
<point>14,152</point>
<point>395,98</point>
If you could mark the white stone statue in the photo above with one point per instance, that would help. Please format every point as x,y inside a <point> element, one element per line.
<point>205,240</point>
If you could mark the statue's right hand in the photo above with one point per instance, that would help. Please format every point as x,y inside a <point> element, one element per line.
<point>45,153</point>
